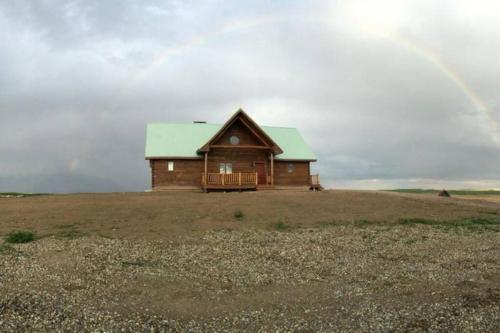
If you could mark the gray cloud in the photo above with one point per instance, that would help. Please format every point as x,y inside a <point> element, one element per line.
<point>80,80</point>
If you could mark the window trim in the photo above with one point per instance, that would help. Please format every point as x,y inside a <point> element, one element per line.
<point>170,166</point>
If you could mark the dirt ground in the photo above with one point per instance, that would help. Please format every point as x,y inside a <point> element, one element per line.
<point>305,262</point>
<point>156,216</point>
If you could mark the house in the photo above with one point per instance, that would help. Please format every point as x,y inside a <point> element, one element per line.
<point>237,155</point>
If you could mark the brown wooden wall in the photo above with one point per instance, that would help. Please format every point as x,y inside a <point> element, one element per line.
<point>300,176</point>
<point>242,159</point>
<point>186,173</point>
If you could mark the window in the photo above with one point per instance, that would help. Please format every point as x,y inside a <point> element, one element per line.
<point>170,166</point>
<point>234,140</point>
<point>290,167</point>
<point>226,168</point>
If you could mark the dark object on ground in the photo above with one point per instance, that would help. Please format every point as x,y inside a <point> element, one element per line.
<point>444,193</point>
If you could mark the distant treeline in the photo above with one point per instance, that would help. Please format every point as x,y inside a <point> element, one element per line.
<point>456,192</point>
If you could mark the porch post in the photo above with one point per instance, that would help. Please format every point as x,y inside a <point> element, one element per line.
<point>206,167</point>
<point>272,168</point>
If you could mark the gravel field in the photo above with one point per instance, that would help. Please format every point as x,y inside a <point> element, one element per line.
<point>354,278</point>
<point>358,276</point>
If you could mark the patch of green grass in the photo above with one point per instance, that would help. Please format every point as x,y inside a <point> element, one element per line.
<point>139,263</point>
<point>362,223</point>
<point>357,223</point>
<point>484,223</point>
<point>65,226</point>
<point>326,224</point>
<point>68,232</point>
<point>466,192</point>
<point>489,212</point>
<point>410,221</point>
<point>471,223</point>
<point>456,192</point>
<point>281,226</point>
<point>18,237</point>
<point>413,190</point>
<point>238,215</point>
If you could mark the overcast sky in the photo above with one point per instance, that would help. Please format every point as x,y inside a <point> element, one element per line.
<point>387,93</point>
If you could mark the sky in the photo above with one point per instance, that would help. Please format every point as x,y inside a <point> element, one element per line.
<point>389,94</point>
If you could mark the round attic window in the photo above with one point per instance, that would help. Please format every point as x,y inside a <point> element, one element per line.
<point>234,140</point>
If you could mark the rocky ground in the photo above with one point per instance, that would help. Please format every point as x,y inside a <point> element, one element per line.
<point>357,276</point>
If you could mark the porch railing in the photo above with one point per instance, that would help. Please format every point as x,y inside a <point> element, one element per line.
<point>314,180</point>
<point>228,179</point>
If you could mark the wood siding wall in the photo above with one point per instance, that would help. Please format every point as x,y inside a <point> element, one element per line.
<point>300,176</point>
<point>242,159</point>
<point>186,173</point>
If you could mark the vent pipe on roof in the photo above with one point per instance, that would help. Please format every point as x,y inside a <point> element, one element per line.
<point>199,122</point>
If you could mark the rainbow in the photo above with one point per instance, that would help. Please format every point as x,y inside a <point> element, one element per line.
<point>418,50</point>
<point>432,58</point>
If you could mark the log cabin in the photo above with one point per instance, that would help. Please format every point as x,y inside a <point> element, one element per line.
<point>237,155</point>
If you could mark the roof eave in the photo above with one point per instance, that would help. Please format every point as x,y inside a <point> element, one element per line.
<point>296,160</point>
<point>173,157</point>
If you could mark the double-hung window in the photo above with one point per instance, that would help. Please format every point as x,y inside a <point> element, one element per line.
<point>226,167</point>
<point>170,165</point>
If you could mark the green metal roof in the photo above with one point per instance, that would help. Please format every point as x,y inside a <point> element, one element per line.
<point>293,145</point>
<point>183,140</point>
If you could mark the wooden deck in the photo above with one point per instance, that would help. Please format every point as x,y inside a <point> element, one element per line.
<point>230,181</point>
<point>245,181</point>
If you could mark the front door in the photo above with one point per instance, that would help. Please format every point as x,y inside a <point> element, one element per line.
<point>260,168</point>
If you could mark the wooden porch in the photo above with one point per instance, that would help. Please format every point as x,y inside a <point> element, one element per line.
<point>245,181</point>
<point>230,181</point>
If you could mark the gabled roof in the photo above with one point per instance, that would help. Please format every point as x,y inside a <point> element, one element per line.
<point>291,142</point>
<point>250,125</point>
<point>184,140</point>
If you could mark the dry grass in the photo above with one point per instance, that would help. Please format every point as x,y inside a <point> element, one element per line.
<point>165,215</point>
<point>490,198</point>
